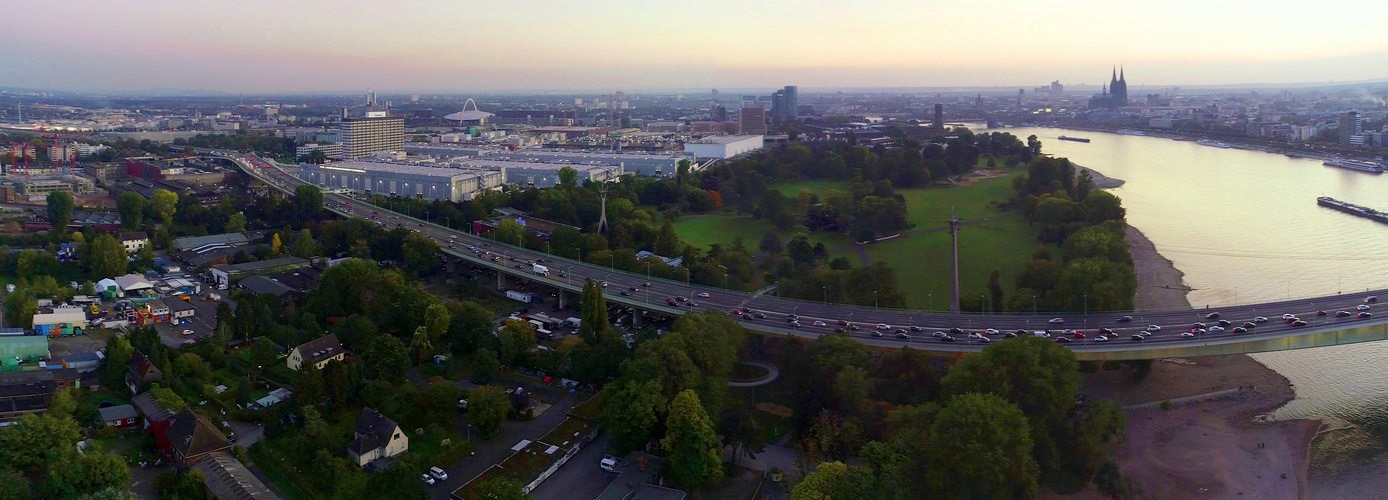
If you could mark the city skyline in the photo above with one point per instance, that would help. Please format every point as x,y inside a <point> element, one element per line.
<point>435,47</point>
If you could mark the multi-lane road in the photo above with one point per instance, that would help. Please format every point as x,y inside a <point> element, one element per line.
<point>874,326</point>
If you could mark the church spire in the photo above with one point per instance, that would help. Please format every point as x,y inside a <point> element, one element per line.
<point>1121,78</point>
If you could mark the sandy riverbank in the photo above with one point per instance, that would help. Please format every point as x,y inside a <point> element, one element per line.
<point>1159,283</point>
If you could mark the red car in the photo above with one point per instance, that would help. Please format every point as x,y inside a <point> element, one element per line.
<point>736,312</point>
<point>1079,335</point>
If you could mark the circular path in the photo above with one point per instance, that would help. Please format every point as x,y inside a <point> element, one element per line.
<point>771,373</point>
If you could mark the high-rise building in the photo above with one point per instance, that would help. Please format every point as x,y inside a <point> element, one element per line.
<point>1349,125</point>
<point>939,116</point>
<point>714,96</point>
<point>1057,90</point>
<point>361,137</point>
<point>718,112</point>
<point>785,103</point>
<point>752,121</point>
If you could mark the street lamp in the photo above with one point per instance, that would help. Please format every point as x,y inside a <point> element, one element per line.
<point>874,299</point>
<point>826,295</point>
<point>931,304</point>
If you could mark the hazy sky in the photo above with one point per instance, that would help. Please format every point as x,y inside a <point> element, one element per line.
<point>466,45</point>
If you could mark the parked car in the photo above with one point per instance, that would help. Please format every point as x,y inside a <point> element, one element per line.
<point>438,473</point>
<point>426,479</point>
<point>608,464</point>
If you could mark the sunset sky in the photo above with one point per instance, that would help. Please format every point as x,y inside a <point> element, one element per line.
<point>524,45</point>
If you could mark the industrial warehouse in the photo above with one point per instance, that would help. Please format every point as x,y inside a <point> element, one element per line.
<point>430,183</point>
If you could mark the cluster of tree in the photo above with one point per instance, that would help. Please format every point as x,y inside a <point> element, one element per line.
<point>1011,410</point>
<point>1096,272</point>
<point>669,390</point>
<point>279,147</point>
<point>45,447</point>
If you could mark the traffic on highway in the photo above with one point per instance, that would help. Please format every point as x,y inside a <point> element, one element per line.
<point>873,326</point>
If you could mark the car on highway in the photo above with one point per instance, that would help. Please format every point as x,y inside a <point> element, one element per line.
<point>901,334</point>
<point>734,312</point>
<point>1101,338</point>
<point>1288,316</point>
<point>1224,323</point>
<point>1249,325</point>
<point>877,333</point>
<point>1139,337</point>
<point>854,327</point>
<point>682,298</point>
<point>703,295</point>
<point>1009,335</point>
<point>975,335</point>
<point>820,323</point>
<point>946,338</point>
<point>1153,328</point>
<point>1342,314</point>
<point>1056,321</point>
<point>1125,319</point>
<point>1299,323</point>
<point>1213,315</point>
<point>1216,329</point>
<point>794,324</point>
<point>939,334</point>
<point>1239,329</point>
<point>1068,331</point>
<point>1371,299</point>
<point>883,326</point>
<point>841,331</point>
<point>693,304</point>
<point>1321,313</point>
<point>1197,325</point>
<point>956,331</point>
<point>1366,314</point>
<point>917,328</point>
<point>990,331</point>
<point>1063,340</point>
<point>1362,307</point>
<point>985,340</point>
<point>634,289</point>
<point>1187,334</point>
<point>1077,335</point>
<point>626,293</point>
<point>1020,331</point>
<point>646,284</point>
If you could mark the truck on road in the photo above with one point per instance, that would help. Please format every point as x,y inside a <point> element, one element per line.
<point>541,270</point>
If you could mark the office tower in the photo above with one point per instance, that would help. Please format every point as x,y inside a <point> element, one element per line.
<point>366,136</point>
<point>752,121</point>
<point>939,116</point>
<point>1349,125</point>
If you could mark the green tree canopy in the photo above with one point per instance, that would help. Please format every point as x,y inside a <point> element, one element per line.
<point>106,256</point>
<point>693,452</point>
<point>60,207</point>
<point>631,411</point>
<point>164,203</point>
<point>487,408</point>
<point>593,312</point>
<point>993,434</point>
<point>131,206</point>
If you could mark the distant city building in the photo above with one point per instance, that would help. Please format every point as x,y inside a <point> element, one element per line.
<point>542,174</point>
<point>361,137</point>
<point>723,146</point>
<point>1349,126</point>
<point>414,181</point>
<point>785,103</point>
<point>329,150</point>
<point>939,116</point>
<point>752,121</point>
<point>1057,90</point>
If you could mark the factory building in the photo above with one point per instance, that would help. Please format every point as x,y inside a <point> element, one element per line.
<point>430,183</point>
<point>644,164</point>
<point>723,146</point>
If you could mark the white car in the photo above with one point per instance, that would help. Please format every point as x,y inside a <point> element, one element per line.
<point>1056,321</point>
<point>1069,331</point>
<point>883,326</point>
<point>1187,335</point>
<point>438,473</point>
<point>1261,319</point>
<point>187,332</point>
<point>1362,307</point>
<point>426,479</point>
<point>1101,338</point>
<point>1153,328</point>
<point>1216,329</point>
<point>975,335</point>
<point>985,340</point>
<point>820,323</point>
<point>703,295</point>
<point>1288,316</point>
<point>991,331</point>
<point>608,464</point>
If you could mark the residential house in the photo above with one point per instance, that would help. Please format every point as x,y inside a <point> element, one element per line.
<point>316,352</point>
<point>191,436</point>
<point>376,437</point>
<point>120,416</point>
<point>134,241</point>
<point>140,371</point>
<point>156,418</point>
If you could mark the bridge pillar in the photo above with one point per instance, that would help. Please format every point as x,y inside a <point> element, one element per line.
<point>562,292</point>
<point>500,280</point>
<point>636,319</point>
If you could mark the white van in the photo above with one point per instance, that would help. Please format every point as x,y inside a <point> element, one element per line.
<point>608,464</point>
<point>1041,334</point>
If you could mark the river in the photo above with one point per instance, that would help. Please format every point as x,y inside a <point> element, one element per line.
<point>1244,227</point>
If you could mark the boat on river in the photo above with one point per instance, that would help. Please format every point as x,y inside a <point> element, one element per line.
<point>1352,209</point>
<point>1362,166</point>
<point>1076,139</point>
<point>1213,144</point>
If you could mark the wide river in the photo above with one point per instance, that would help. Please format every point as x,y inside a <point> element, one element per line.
<point>1244,227</point>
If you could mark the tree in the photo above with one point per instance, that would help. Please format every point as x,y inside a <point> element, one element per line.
<point>593,312</point>
<point>517,338</point>
<point>770,243</point>
<point>20,308</point>
<point>144,258</point>
<point>71,473</point>
<point>436,322</point>
<point>308,202</point>
<point>106,257</point>
<point>22,446</point>
<point>502,488</point>
<point>387,359</point>
<point>420,254</point>
<point>164,203</point>
<point>487,408</point>
<point>420,346</point>
<point>1039,377</point>
<point>631,413</point>
<point>694,454</point>
<point>667,243</point>
<point>186,486</point>
<point>995,289</point>
<point>994,436</point>
<point>568,177</point>
<point>1109,480</point>
<point>13,484</point>
<point>110,493</point>
<point>236,223</point>
<point>485,366</point>
<point>834,481</point>
<point>276,247</point>
<point>131,206</point>
<point>60,207</point>
<point>304,246</point>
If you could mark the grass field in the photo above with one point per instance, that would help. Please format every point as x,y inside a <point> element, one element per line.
<point>707,230</point>
<point>818,188</point>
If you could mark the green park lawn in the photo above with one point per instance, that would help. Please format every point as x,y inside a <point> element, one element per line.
<point>702,231</point>
<point>818,188</point>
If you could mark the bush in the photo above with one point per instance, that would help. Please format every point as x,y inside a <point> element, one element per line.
<point>1166,405</point>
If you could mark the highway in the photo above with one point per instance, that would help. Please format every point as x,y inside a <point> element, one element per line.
<point>880,327</point>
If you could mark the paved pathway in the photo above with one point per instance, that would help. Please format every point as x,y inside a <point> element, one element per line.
<point>771,374</point>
